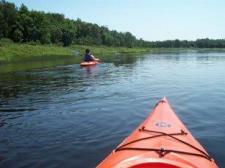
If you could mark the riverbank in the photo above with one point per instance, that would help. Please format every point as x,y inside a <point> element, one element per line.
<point>13,52</point>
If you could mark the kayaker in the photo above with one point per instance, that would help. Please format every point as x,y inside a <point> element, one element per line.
<point>88,57</point>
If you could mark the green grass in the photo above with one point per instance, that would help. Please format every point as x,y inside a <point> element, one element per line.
<point>24,52</point>
<point>103,50</point>
<point>12,52</point>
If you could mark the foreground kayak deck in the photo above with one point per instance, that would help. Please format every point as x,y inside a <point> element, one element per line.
<point>161,141</point>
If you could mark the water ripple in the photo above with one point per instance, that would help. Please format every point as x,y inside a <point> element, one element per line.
<point>69,116</point>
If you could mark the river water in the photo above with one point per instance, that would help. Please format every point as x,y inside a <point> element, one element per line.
<point>67,116</point>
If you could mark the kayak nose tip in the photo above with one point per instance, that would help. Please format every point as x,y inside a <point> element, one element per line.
<point>164,99</point>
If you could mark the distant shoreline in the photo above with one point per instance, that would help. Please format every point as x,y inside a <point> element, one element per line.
<point>15,52</point>
<point>16,57</point>
<point>11,52</point>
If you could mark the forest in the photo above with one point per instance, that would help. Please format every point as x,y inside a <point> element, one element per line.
<point>28,26</point>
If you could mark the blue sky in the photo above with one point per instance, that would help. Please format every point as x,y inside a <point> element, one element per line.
<point>147,19</point>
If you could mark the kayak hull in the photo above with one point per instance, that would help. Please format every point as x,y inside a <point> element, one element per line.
<point>87,64</point>
<point>161,140</point>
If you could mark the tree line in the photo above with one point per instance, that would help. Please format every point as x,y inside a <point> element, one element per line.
<point>22,25</point>
<point>199,43</point>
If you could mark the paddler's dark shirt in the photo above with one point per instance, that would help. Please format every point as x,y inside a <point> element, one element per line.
<point>88,58</point>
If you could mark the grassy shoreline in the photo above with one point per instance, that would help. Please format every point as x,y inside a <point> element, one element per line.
<point>18,53</point>
<point>14,52</point>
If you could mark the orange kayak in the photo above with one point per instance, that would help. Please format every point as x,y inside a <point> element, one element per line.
<point>91,63</point>
<point>161,141</point>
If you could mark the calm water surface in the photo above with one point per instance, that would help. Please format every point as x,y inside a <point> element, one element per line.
<point>69,116</point>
